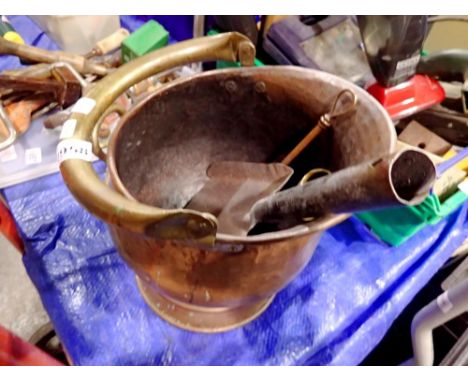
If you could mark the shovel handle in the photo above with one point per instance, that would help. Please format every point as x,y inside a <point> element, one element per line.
<point>105,202</point>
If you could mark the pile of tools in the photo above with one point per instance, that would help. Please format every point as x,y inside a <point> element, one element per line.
<point>52,81</point>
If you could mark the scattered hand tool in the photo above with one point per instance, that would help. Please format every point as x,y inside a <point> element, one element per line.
<point>109,43</point>
<point>234,187</point>
<point>20,113</point>
<point>36,70</point>
<point>65,88</point>
<point>27,94</point>
<point>34,54</point>
<point>57,119</point>
<point>110,60</point>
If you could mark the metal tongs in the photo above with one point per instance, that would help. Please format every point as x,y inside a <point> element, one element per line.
<point>338,110</point>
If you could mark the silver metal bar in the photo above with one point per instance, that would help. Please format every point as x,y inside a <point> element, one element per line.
<point>11,129</point>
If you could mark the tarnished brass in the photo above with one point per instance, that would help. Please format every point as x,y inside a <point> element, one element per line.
<point>113,207</point>
<point>157,160</point>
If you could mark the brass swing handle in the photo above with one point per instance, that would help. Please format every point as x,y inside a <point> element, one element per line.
<point>108,204</point>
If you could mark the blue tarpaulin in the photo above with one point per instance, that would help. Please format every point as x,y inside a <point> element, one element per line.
<point>334,313</point>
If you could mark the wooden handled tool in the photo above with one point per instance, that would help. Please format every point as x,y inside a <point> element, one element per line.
<point>109,43</point>
<point>64,86</point>
<point>20,113</point>
<point>34,54</point>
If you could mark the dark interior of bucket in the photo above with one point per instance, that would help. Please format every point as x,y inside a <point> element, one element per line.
<point>166,145</point>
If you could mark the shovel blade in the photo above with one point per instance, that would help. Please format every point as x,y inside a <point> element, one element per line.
<point>234,187</point>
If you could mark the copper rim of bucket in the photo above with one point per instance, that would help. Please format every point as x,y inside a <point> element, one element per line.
<point>320,224</point>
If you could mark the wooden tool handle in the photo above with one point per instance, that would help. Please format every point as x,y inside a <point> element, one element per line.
<point>111,42</point>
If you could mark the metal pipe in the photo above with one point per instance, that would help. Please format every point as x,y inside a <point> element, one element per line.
<point>11,129</point>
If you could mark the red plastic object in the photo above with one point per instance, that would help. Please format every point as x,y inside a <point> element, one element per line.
<point>8,227</point>
<point>418,93</point>
<point>16,352</point>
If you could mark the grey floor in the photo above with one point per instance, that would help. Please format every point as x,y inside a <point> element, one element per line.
<point>21,310</point>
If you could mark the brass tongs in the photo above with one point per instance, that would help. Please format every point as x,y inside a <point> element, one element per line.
<point>343,105</point>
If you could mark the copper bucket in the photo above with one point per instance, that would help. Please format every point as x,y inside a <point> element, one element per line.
<point>157,160</point>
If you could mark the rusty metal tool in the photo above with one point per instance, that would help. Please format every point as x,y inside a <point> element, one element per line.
<point>402,178</point>
<point>64,86</point>
<point>20,113</point>
<point>29,96</point>
<point>389,181</point>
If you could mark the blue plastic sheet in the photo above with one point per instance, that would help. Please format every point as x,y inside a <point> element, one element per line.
<point>334,313</point>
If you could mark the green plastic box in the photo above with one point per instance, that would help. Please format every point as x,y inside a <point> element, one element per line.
<point>396,225</point>
<point>149,37</point>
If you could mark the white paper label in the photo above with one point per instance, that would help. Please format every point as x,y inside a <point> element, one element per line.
<point>68,129</point>
<point>83,105</point>
<point>463,187</point>
<point>408,63</point>
<point>8,154</point>
<point>75,149</point>
<point>406,67</point>
<point>33,156</point>
<point>444,303</point>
